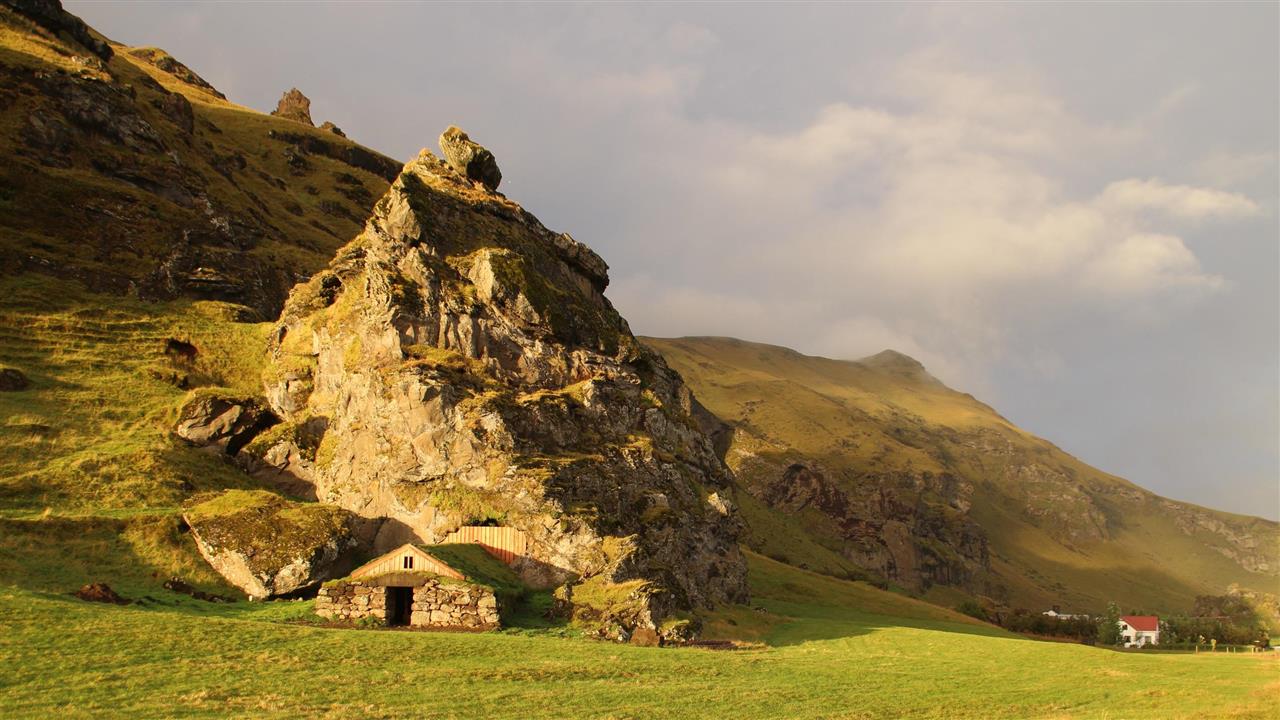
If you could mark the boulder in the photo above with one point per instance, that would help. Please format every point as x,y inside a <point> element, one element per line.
<point>294,106</point>
<point>225,423</point>
<point>13,380</point>
<point>327,125</point>
<point>269,546</point>
<point>470,158</point>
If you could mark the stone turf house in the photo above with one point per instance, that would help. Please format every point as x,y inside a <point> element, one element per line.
<point>441,586</point>
<point>1139,630</point>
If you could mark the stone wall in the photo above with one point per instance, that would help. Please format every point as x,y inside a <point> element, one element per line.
<point>351,600</point>
<point>436,603</point>
<point>454,604</point>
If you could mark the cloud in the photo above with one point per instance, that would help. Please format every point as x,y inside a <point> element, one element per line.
<point>1177,200</point>
<point>937,221</point>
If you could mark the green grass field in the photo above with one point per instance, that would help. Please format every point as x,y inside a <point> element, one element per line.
<point>827,655</point>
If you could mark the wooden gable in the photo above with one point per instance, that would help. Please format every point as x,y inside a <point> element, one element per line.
<point>407,558</point>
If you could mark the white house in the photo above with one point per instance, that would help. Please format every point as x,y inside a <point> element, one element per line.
<point>1139,630</point>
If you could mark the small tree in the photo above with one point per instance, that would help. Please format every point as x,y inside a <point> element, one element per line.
<point>1109,626</point>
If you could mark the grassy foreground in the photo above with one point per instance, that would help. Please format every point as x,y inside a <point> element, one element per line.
<point>66,658</point>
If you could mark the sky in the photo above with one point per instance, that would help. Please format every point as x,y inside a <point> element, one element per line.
<point>1069,211</point>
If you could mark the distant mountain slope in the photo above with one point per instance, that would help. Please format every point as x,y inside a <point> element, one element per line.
<point>125,170</point>
<point>875,464</point>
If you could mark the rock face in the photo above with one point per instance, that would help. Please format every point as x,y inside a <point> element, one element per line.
<point>470,158</point>
<point>464,366</point>
<point>269,546</point>
<point>166,62</point>
<point>210,419</point>
<point>911,529</point>
<point>294,106</point>
<point>50,15</point>
<point>137,158</point>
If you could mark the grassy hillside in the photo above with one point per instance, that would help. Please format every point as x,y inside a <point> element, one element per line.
<point>827,655</point>
<point>133,175</point>
<point>1058,531</point>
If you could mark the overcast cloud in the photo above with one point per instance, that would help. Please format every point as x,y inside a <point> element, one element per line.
<point>1069,211</point>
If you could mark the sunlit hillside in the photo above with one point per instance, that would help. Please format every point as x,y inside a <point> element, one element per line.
<point>1059,532</point>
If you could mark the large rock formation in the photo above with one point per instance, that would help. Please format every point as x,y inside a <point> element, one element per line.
<point>294,106</point>
<point>462,365</point>
<point>269,546</point>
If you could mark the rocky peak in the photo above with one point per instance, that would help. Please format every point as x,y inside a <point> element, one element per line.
<point>470,158</point>
<point>294,106</point>
<point>463,365</point>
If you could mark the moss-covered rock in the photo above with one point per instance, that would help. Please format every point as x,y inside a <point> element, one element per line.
<point>269,546</point>
<point>469,368</point>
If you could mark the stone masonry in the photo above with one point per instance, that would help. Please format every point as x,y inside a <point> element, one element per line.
<point>436,603</point>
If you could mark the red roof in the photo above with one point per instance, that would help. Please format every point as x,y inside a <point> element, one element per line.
<point>1145,623</point>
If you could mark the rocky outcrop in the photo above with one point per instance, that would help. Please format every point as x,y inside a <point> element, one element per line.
<point>466,367</point>
<point>167,63</point>
<point>127,173</point>
<point>1237,539</point>
<point>294,106</point>
<point>213,420</point>
<point>304,144</point>
<point>330,127</point>
<point>912,529</point>
<point>49,15</point>
<point>470,158</point>
<point>1060,506</point>
<point>269,546</point>
<point>177,109</point>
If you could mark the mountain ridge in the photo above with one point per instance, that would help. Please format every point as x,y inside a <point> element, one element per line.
<point>857,430</point>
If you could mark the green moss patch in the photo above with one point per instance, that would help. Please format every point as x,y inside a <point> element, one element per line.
<point>269,530</point>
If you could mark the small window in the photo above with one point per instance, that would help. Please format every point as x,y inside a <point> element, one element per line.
<point>408,562</point>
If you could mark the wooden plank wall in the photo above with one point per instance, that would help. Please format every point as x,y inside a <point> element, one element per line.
<point>394,562</point>
<point>504,543</point>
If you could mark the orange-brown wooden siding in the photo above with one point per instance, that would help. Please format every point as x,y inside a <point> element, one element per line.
<point>504,543</point>
<point>394,562</point>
